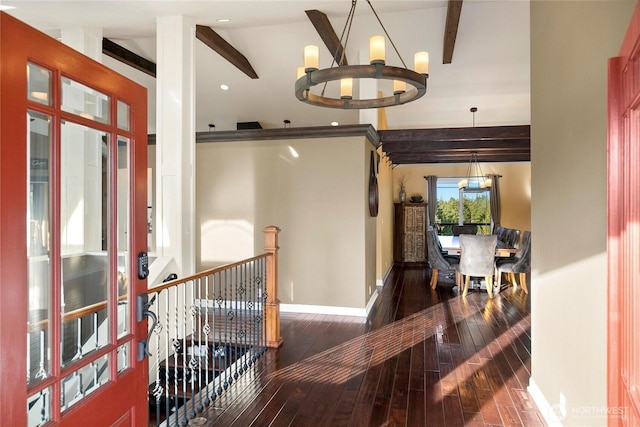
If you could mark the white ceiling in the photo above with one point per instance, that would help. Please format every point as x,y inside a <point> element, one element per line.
<point>490,67</point>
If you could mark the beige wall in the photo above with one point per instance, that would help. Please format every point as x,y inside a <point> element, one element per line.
<point>318,199</point>
<point>515,186</point>
<point>570,44</point>
<point>384,223</point>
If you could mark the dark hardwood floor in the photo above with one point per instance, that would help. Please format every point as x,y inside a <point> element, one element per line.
<point>423,358</point>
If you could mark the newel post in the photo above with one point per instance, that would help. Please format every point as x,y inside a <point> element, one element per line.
<point>274,339</point>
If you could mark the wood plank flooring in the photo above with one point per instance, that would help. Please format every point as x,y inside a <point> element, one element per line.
<point>422,358</point>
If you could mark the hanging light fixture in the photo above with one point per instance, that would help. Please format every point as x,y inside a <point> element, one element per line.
<point>310,75</point>
<point>475,179</point>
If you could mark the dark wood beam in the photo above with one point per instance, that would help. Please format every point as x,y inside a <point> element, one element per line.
<point>328,35</point>
<point>124,55</point>
<point>212,39</point>
<point>454,145</point>
<point>454,8</point>
<point>458,134</point>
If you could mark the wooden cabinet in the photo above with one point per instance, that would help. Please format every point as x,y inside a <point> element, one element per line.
<point>409,232</point>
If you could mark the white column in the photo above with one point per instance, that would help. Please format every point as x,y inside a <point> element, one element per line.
<point>86,40</point>
<point>175,142</point>
<point>368,89</point>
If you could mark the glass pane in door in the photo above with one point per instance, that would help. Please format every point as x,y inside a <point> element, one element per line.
<point>38,246</point>
<point>124,269</point>
<point>38,84</point>
<point>84,245</point>
<point>124,115</point>
<point>85,102</point>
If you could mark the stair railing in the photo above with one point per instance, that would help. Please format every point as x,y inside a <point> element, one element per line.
<point>208,329</point>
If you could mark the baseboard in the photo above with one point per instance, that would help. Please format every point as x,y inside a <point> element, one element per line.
<point>380,282</point>
<point>324,309</point>
<point>372,300</point>
<point>552,414</point>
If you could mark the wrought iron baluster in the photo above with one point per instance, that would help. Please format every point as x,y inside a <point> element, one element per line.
<point>193,361</point>
<point>218,325</point>
<point>79,388</point>
<point>205,330</point>
<point>176,356</point>
<point>96,330</point>
<point>243,341</point>
<point>183,323</point>
<point>96,374</point>
<point>263,287</point>
<point>78,354</point>
<point>198,354</point>
<point>167,340</point>
<point>226,326</point>
<point>42,373</point>
<point>235,289</point>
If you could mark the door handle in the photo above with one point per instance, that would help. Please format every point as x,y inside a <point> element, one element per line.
<point>143,312</point>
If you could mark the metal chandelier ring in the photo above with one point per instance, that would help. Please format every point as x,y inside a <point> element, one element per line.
<point>374,71</point>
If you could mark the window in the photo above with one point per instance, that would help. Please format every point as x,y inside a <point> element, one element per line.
<point>456,206</point>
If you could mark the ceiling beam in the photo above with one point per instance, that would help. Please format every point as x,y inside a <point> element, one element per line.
<point>328,35</point>
<point>454,8</point>
<point>124,55</point>
<point>209,37</point>
<point>458,134</point>
<point>454,145</point>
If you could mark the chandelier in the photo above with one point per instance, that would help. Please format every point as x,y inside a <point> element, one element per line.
<point>475,179</point>
<point>310,75</point>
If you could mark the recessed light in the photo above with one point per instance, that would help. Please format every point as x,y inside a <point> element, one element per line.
<point>224,87</point>
<point>223,20</point>
<point>334,123</point>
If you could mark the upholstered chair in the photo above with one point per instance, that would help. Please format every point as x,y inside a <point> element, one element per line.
<point>437,260</point>
<point>477,254</point>
<point>464,229</point>
<point>520,264</point>
<point>512,237</point>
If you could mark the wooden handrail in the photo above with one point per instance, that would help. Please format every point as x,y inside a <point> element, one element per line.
<point>165,285</point>
<point>73,314</point>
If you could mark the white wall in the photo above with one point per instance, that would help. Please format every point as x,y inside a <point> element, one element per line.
<point>318,199</point>
<point>570,45</point>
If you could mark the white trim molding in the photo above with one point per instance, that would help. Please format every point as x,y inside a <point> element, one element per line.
<point>331,310</point>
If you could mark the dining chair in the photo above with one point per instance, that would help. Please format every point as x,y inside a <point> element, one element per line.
<point>477,254</point>
<point>464,229</point>
<point>437,260</point>
<point>512,237</point>
<point>520,264</point>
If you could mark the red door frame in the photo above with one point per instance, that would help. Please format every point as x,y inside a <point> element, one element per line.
<point>123,401</point>
<point>623,229</point>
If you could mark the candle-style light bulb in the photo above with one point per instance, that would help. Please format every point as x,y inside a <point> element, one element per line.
<point>399,86</point>
<point>376,50</point>
<point>311,58</point>
<point>421,62</point>
<point>346,88</point>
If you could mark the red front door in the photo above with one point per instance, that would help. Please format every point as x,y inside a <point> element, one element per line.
<point>624,230</point>
<point>73,142</point>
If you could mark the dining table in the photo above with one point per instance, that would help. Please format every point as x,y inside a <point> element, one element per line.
<point>451,244</point>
